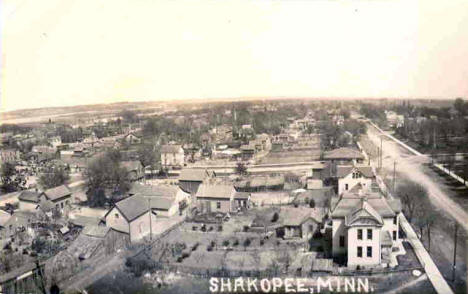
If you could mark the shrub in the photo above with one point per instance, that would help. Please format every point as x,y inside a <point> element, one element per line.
<point>195,246</point>
<point>180,259</point>
<point>226,243</point>
<point>139,266</point>
<point>247,242</point>
<point>194,228</point>
<point>210,229</point>
<point>220,228</point>
<point>262,242</point>
<point>312,203</point>
<point>246,228</point>
<point>235,243</point>
<point>275,217</point>
<point>185,254</point>
<point>203,228</point>
<point>306,200</point>
<point>209,248</point>
<point>213,243</point>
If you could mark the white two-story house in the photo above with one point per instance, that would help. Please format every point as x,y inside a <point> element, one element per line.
<point>351,175</point>
<point>365,227</point>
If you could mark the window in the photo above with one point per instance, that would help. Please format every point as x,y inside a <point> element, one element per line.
<point>116,215</point>
<point>394,235</point>
<point>395,219</point>
<point>61,204</point>
<point>369,251</point>
<point>346,187</point>
<point>342,240</point>
<point>359,251</point>
<point>369,234</point>
<point>218,205</point>
<point>359,234</point>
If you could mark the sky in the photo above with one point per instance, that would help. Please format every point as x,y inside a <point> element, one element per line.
<point>70,52</point>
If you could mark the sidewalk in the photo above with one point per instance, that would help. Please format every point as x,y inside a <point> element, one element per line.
<point>433,273</point>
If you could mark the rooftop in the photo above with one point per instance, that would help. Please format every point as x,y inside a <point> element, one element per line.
<point>57,192</point>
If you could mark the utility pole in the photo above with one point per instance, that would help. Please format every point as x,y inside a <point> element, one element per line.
<point>381,152</point>
<point>151,226</point>
<point>394,175</point>
<point>455,253</point>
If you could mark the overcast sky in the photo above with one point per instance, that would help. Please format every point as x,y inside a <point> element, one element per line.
<point>60,52</point>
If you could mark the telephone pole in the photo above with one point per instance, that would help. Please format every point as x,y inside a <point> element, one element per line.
<point>455,253</point>
<point>394,175</point>
<point>381,152</point>
<point>151,227</point>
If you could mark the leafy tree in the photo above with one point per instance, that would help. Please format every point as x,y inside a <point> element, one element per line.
<point>106,173</point>
<point>10,179</point>
<point>312,203</point>
<point>241,169</point>
<point>148,154</point>
<point>53,176</point>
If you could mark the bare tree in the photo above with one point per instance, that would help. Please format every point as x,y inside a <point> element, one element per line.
<point>411,195</point>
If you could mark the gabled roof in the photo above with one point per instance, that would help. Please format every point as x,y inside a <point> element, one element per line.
<point>344,170</point>
<point>154,190</point>
<point>193,175</point>
<point>57,192</point>
<point>29,196</point>
<point>349,202</point>
<point>291,216</point>
<point>364,214</point>
<point>215,191</point>
<point>171,148</point>
<point>241,196</point>
<point>344,153</point>
<point>162,203</point>
<point>132,207</point>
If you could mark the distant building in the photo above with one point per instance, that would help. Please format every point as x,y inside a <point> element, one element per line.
<point>299,223</point>
<point>349,176</point>
<point>135,169</point>
<point>28,200</point>
<point>132,138</point>
<point>9,155</point>
<point>55,141</point>
<point>191,179</point>
<point>365,227</point>
<point>172,156</point>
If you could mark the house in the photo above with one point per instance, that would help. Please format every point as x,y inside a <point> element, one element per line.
<point>242,200</point>
<point>172,156</point>
<point>5,138</point>
<point>132,138</point>
<point>166,200</point>
<point>216,198</point>
<point>60,196</point>
<point>19,221</point>
<point>260,183</point>
<point>9,155</point>
<point>191,179</point>
<point>55,141</point>
<point>364,228</point>
<point>44,153</point>
<point>350,176</point>
<point>299,223</point>
<point>130,216</point>
<point>4,217</point>
<point>28,200</point>
<point>344,155</point>
<point>247,151</point>
<point>135,169</point>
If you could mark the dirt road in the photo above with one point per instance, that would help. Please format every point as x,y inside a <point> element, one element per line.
<point>410,166</point>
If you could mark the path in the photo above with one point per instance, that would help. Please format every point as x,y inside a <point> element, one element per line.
<point>407,285</point>
<point>433,273</point>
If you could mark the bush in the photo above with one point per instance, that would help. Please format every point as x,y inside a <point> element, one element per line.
<point>275,217</point>
<point>220,228</point>
<point>213,243</point>
<point>235,243</point>
<point>306,200</point>
<point>247,242</point>
<point>195,246</point>
<point>180,259</point>
<point>226,243</point>
<point>312,203</point>
<point>185,254</point>
<point>139,266</point>
<point>262,242</point>
<point>209,248</point>
<point>246,228</point>
<point>210,229</point>
<point>194,228</point>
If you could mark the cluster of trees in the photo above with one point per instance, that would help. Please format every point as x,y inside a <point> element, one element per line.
<point>11,180</point>
<point>53,175</point>
<point>106,174</point>
<point>417,207</point>
<point>334,136</point>
<point>15,129</point>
